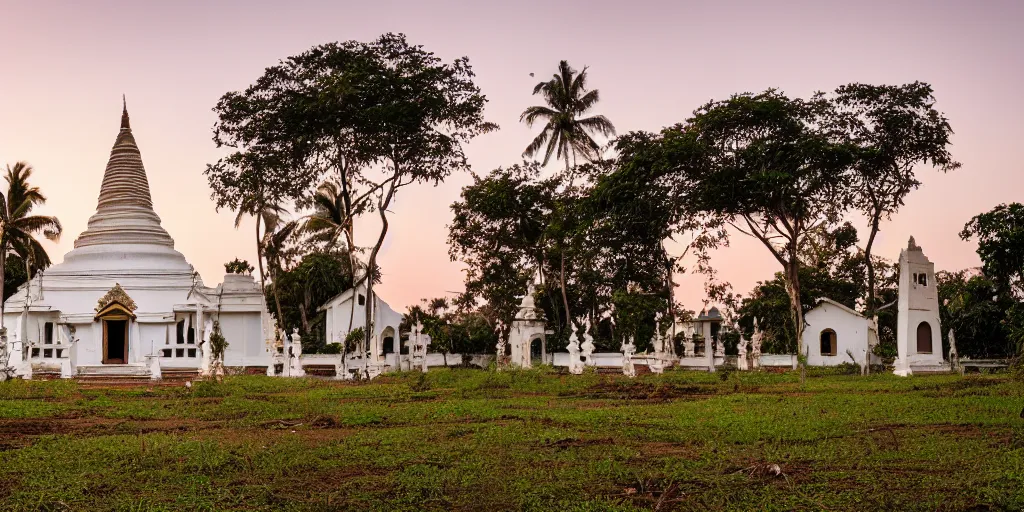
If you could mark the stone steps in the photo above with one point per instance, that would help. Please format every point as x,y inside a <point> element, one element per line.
<point>179,374</point>
<point>112,374</point>
<point>320,370</point>
<point>924,369</point>
<point>113,370</point>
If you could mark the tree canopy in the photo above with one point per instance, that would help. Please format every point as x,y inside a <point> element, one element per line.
<point>378,116</point>
<point>894,128</point>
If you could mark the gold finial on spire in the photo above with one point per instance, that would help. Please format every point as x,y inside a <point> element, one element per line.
<point>124,114</point>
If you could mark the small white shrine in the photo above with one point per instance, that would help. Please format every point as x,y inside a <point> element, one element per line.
<point>918,331</point>
<point>124,303</point>
<point>346,312</point>
<point>836,334</point>
<point>527,339</point>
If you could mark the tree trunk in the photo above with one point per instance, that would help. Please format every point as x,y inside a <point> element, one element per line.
<point>263,275</point>
<point>796,311</point>
<point>565,298</point>
<point>870,313</point>
<point>259,254</point>
<point>277,303</point>
<point>305,320</point>
<point>3,267</point>
<point>372,264</point>
<point>670,282</point>
<point>554,306</point>
<point>871,266</point>
<point>353,267</point>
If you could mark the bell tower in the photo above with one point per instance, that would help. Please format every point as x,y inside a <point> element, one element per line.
<point>919,334</point>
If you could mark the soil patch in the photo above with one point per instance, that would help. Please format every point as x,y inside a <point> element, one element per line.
<point>622,390</point>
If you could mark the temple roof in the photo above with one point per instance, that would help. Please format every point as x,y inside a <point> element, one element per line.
<point>124,213</point>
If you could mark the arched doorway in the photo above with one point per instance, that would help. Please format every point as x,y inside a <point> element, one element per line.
<point>828,342</point>
<point>924,338</point>
<point>536,351</point>
<point>388,340</point>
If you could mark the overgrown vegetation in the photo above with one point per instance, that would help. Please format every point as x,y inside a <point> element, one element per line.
<point>518,440</point>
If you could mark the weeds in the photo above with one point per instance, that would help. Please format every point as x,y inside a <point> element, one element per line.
<point>527,440</point>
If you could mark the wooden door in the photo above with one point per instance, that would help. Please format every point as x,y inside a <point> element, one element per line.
<point>115,341</point>
<point>924,338</point>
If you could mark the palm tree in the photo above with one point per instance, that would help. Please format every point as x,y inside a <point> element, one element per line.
<point>275,248</point>
<point>331,220</point>
<point>566,131</point>
<point>18,229</point>
<point>266,214</point>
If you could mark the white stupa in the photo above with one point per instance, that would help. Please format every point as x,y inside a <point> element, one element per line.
<point>123,301</point>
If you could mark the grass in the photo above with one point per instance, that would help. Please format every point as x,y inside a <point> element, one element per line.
<point>518,440</point>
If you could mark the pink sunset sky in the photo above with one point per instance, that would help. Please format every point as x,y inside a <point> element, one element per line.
<point>66,64</point>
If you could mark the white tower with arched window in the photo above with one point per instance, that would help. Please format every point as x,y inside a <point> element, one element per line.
<point>918,336</point>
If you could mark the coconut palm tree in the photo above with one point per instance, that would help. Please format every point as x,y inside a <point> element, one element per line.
<point>566,132</point>
<point>276,249</point>
<point>18,228</point>
<point>333,215</point>
<point>266,214</point>
<point>332,220</point>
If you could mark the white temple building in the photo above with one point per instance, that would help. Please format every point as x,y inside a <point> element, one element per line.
<point>346,312</point>
<point>835,334</point>
<point>125,303</point>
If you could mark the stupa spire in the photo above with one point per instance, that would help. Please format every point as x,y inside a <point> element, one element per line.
<point>124,214</point>
<point>124,114</point>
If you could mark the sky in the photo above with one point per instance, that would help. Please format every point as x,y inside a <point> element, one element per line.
<point>65,66</point>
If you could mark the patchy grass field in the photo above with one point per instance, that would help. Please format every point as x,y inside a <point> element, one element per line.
<point>476,440</point>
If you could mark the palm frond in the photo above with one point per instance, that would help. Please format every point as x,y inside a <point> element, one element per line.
<point>532,113</point>
<point>537,143</point>
<point>552,144</point>
<point>599,124</point>
<point>579,85</point>
<point>35,224</point>
<point>588,101</point>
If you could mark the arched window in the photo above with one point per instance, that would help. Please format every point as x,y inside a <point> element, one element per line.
<point>828,342</point>
<point>924,338</point>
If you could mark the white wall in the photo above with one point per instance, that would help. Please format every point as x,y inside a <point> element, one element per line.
<point>244,334</point>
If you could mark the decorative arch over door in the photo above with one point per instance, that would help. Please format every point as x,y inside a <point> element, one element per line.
<point>924,338</point>
<point>116,311</point>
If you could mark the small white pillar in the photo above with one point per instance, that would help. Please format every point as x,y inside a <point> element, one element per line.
<point>426,343</point>
<point>295,357</point>
<point>153,361</point>
<point>206,355</point>
<point>65,368</point>
<point>709,355</point>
